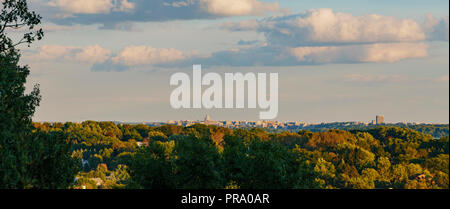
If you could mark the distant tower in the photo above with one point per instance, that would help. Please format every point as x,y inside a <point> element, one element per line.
<point>208,120</point>
<point>380,119</point>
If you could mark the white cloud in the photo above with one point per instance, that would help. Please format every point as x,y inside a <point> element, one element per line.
<point>92,6</point>
<point>88,54</point>
<point>125,6</point>
<point>228,7</point>
<point>317,36</point>
<point>323,26</point>
<point>394,52</point>
<point>238,7</point>
<point>92,54</point>
<point>53,52</point>
<point>321,36</point>
<point>129,56</point>
<point>286,56</point>
<point>134,56</point>
<point>111,12</point>
<point>390,52</point>
<point>103,60</point>
<point>146,55</point>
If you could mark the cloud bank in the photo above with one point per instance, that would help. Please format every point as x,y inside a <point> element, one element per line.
<point>325,27</point>
<point>146,55</point>
<point>316,36</point>
<point>112,12</point>
<point>88,54</point>
<point>391,52</point>
<point>237,7</point>
<point>321,36</point>
<point>103,59</point>
<point>91,6</point>
<point>287,56</point>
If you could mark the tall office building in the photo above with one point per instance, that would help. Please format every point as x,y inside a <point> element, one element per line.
<point>380,119</point>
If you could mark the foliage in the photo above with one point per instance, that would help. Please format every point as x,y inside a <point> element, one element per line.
<point>192,158</point>
<point>15,15</point>
<point>28,159</point>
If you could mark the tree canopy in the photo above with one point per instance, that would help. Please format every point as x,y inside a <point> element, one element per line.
<point>29,158</point>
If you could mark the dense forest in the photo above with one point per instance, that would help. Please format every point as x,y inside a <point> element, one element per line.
<point>435,130</point>
<point>207,157</point>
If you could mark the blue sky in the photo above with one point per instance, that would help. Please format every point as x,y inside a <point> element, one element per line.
<point>342,60</point>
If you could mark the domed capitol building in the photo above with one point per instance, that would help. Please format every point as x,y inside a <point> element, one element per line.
<point>208,121</point>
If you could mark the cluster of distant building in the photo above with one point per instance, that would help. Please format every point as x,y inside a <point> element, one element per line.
<point>261,124</point>
<point>379,120</point>
<point>238,124</point>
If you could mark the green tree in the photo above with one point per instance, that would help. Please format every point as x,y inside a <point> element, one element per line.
<point>152,167</point>
<point>16,15</point>
<point>156,136</point>
<point>16,110</point>
<point>27,159</point>
<point>326,173</point>
<point>198,164</point>
<point>257,164</point>
<point>52,165</point>
<point>384,171</point>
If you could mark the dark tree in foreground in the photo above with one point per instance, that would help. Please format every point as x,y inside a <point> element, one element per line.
<point>52,165</point>
<point>16,110</point>
<point>28,159</point>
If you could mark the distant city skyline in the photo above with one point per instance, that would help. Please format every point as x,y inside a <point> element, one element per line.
<point>287,125</point>
<point>379,120</point>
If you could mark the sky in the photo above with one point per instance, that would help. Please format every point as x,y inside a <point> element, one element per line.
<point>349,60</point>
